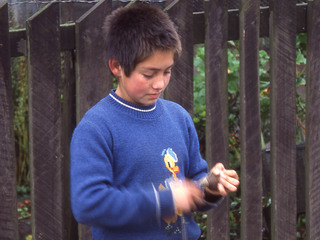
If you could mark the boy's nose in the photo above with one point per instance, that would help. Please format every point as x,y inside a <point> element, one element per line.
<point>160,82</point>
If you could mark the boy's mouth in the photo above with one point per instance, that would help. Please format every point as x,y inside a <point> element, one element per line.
<point>155,95</point>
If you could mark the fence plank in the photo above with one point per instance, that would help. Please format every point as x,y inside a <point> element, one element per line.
<point>283,119</point>
<point>216,105</point>
<point>43,38</point>
<point>17,37</point>
<point>313,120</point>
<point>251,164</point>
<point>233,23</point>
<point>69,13</point>
<point>8,194</point>
<point>68,125</point>
<point>180,89</point>
<point>93,80</point>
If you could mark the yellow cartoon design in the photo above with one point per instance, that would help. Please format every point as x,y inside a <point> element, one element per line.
<point>170,160</point>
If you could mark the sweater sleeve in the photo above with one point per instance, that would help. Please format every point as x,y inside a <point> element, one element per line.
<point>95,200</point>
<point>199,168</point>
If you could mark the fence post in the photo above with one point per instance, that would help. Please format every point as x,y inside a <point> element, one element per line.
<point>283,119</point>
<point>250,131</point>
<point>8,193</point>
<point>216,105</point>
<point>180,89</point>
<point>46,159</point>
<point>312,122</point>
<point>93,79</point>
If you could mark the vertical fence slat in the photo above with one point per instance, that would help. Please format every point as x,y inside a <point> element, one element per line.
<point>92,75</point>
<point>250,132</point>
<point>313,122</point>
<point>180,88</point>
<point>69,12</point>
<point>8,195</point>
<point>283,119</point>
<point>43,38</point>
<point>68,124</point>
<point>93,80</point>
<point>216,105</point>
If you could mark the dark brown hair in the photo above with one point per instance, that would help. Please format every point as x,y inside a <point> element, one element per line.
<point>134,33</point>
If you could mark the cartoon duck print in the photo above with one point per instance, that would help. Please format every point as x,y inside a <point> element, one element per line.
<point>170,160</point>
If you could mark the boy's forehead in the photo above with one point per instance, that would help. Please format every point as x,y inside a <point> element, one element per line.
<point>158,60</point>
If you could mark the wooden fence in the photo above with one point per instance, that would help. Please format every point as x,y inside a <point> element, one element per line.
<point>52,118</point>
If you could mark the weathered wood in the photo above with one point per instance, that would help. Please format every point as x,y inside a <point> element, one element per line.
<point>71,11</point>
<point>18,44</point>
<point>233,23</point>
<point>180,88</point>
<point>251,164</point>
<point>313,122</point>
<point>93,79</point>
<point>217,106</point>
<point>283,119</point>
<point>68,125</point>
<point>46,159</point>
<point>52,216</point>
<point>8,194</point>
<point>18,37</point>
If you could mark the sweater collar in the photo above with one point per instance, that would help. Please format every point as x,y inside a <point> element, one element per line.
<point>131,105</point>
<point>150,111</point>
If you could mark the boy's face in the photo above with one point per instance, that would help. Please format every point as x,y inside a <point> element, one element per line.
<point>148,80</point>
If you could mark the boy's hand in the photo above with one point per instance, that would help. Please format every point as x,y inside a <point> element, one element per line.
<point>228,180</point>
<point>186,195</point>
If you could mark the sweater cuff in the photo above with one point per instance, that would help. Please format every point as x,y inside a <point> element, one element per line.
<point>164,204</point>
<point>211,200</point>
<point>167,206</point>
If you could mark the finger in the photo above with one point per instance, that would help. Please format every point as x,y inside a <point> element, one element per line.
<point>229,186</point>
<point>217,169</point>
<point>222,190</point>
<point>219,166</point>
<point>231,180</point>
<point>231,173</point>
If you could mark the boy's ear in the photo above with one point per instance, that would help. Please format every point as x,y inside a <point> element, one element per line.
<point>115,67</point>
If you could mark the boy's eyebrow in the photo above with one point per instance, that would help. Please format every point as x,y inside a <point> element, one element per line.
<point>154,68</point>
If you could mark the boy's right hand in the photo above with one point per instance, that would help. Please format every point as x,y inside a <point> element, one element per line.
<point>187,195</point>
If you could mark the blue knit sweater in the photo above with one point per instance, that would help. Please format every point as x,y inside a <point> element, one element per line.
<point>122,158</point>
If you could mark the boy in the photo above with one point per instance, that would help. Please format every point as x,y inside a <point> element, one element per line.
<point>135,157</point>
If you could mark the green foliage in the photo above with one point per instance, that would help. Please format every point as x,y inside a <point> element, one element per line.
<point>23,191</point>
<point>301,227</point>
<point>20,100</point>
<point>201,219</point>
<point>235,216</point>
<point>29,237</point>
<point>24,210</point>
<point>199,116</point>
<point>234,114</point>
<point>301,86</point>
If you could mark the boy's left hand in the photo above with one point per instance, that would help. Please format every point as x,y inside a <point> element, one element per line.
<point>228,180</point>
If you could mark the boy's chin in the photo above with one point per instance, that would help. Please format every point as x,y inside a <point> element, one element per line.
<point>148,103</point>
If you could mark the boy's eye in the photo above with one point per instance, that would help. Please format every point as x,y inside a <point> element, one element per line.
<point>148,76</point>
